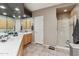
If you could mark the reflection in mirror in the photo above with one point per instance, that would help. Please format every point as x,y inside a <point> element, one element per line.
<point>6,24</point>
<point>26,24</point>
<point>10,23</point>
<point>2,23</point>
<point>13,18</point>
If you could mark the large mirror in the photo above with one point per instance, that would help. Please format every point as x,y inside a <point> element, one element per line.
<point>26,24</point>
<point>13,18</point>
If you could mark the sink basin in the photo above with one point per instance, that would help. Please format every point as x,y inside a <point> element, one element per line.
<point>4,39</point>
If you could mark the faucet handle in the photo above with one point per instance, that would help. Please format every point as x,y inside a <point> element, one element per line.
<point>67,42</point>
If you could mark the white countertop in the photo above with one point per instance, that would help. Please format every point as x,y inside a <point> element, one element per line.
<point>22,33</point>
<point>11,47</point>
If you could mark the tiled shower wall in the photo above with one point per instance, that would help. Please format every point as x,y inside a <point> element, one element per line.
<point>65,29</point>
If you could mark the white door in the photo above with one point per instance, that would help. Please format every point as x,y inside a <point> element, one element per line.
<point>38,29</point>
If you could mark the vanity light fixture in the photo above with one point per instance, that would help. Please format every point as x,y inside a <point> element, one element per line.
<point>17,9</point>
<point>4,13</point>
<point>2,7</point>
<point>65,10</point>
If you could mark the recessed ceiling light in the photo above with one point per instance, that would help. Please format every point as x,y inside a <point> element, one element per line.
<point>17,9</point>
<point>3,7</point>
<point>65,10</point>
<point>4,13</point>
<point>24,15</point>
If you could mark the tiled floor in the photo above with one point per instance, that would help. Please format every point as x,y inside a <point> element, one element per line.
<point>39,50</point>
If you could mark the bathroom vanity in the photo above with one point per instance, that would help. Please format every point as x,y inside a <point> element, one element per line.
<point>15,45</point>
<point>27,38</point>
<point>74,49</point>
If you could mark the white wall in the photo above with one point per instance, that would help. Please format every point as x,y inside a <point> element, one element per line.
<point>74,17</point>
<point>50,24</point>
<point>75,11</point>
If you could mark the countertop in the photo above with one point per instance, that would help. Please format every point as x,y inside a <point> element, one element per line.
<point>74,45</point>
<point>11,47</point>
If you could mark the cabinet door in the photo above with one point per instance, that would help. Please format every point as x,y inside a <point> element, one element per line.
<point>29,38</point>
<point>25,39</point>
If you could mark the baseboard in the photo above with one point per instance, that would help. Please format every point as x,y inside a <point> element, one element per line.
<point>42,44</point>
<point>61,47</point>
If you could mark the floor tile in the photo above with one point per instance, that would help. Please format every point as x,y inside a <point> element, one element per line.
<point>40,50</point>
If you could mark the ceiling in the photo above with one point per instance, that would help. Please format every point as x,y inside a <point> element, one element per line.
<point>29,6</point>
<point>37,6</point>
<point>10,9</point>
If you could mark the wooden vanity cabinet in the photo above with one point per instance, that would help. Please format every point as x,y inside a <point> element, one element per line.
<point>27,39</point>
